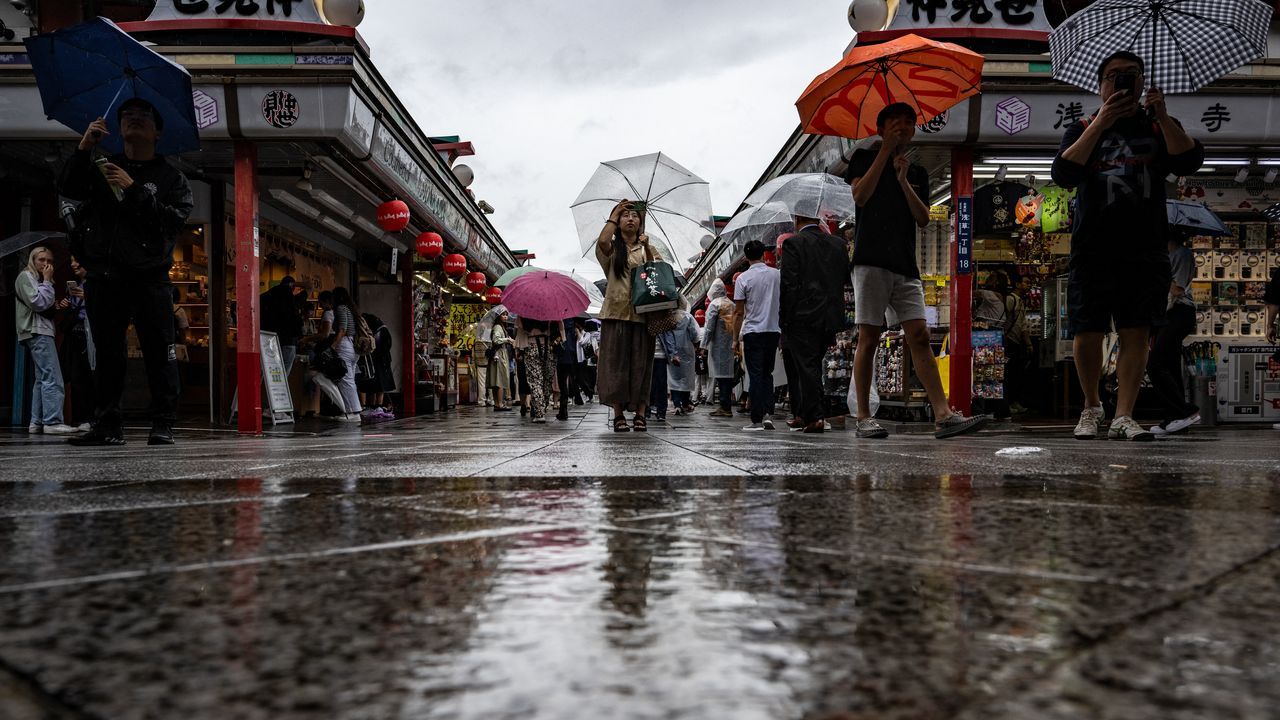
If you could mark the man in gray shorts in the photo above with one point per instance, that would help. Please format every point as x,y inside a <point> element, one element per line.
<point>892,195</point>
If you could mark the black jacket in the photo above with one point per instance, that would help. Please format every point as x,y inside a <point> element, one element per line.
<point>815,269</point>
<point>131,238</point>
<point>280,315</point>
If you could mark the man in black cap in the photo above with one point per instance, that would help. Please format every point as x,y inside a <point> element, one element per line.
<point>134,205</point>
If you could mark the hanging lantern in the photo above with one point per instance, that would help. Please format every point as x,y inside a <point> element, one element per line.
<point>493,296</point>
<point>455,265</point>
<point>734,281</point>
<point>430,245</point>
<point>781,239</point>
<point>393,216</point>
<point>477,282</point>
<point>700,317</point>
<point>770,258</point>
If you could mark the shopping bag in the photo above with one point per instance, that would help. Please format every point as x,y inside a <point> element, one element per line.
<point>873,401</point>
<point>653,287</point>
<point>944,366</point>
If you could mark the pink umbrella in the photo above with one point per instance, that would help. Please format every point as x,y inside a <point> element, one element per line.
<point>545,295</point>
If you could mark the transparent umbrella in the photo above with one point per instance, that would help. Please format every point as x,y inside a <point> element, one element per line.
<point>764,223</point>
<point>676,202</point>
<point>484,328</point>
<point>821,196</point>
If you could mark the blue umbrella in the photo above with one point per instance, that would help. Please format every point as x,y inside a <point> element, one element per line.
<point>1195,218</point>
<point>85,71</point>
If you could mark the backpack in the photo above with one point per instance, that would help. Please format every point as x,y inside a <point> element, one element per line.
<point>364,341</point>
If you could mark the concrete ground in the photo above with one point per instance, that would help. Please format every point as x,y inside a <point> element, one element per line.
<point>475,566</point>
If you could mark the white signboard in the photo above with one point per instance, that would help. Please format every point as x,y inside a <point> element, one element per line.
<point>984,14</point>
<point>283,10</point>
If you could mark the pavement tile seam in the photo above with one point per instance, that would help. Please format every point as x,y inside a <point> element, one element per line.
<point>283,557</point>
<point>157,506</point>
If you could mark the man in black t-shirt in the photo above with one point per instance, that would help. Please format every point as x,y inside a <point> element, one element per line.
<point>1120,270</point>
<point>892,195</point>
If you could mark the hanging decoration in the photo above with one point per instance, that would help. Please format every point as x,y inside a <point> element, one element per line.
<point>700,317</point>
<point>455,265</point>
<point>477,282</point>
<point>770,258</point>
<point>429,245</point>
<point>393,215</point>
<point>493,296</point>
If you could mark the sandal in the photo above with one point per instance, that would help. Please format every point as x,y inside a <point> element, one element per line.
<point>620,424</point>
<point>640,424</point>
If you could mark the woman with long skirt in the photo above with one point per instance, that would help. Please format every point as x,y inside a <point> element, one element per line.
<point>625,373</point>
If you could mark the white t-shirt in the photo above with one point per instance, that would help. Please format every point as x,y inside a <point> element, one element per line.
<point>760,286</point>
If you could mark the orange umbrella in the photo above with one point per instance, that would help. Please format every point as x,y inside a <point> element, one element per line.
<point>928,75</point>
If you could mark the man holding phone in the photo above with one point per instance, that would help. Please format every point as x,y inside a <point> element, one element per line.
<point>1120,272</point>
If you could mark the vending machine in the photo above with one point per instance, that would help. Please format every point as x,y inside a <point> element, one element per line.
<point>1248,382</point>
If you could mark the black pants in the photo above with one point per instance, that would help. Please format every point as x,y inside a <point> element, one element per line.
<point>759,353</point>
<point>789,368</point>
<point>724,389</point>
<point>658,390</point>
<point>1164,365</point>
<point>806,351</point>
<point>586,379</point>
<point>682,399</point>
<point>567,376</point>
<point>78,374</point>
<point>112,305</point>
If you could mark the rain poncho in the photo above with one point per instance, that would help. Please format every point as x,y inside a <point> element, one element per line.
<point>717,335</point>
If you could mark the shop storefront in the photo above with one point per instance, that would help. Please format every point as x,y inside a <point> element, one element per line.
<point>302,141</point>
<point>995,210</point>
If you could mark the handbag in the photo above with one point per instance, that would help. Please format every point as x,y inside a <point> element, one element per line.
<point>330,364</point>
<point>653,288</point>
<point>660,322</point>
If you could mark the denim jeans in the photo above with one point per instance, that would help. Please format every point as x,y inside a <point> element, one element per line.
<point>46,392</point>
<point>759,352</point>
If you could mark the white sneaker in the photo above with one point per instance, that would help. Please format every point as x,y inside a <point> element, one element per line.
<point>1090,423</point>
<point>1125,428</point>
<point>60,429</point>
<point>1180,425</point>
<point>84,427</point>
<point>754,427</point>
<point>349,417</point>
<point>1158,431</point>
<point>35,429</point>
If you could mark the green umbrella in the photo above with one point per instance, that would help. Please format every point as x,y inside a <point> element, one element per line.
<point>514,273</point>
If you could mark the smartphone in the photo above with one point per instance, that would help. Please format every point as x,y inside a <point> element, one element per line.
<point>72,285</point>
<point>1126,81</point>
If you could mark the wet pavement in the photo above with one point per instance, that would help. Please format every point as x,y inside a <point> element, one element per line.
<point>471,566</point>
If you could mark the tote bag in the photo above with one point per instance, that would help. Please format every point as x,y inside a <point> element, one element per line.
<point>653,287</point>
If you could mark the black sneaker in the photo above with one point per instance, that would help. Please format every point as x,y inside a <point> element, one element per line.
<point>98,437</point>
<point>161,433</point>
<point>562,417</point>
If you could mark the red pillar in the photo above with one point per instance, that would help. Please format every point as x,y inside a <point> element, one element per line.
<point>408,370</point>
<point>962,279</point>
<point>248,352</point>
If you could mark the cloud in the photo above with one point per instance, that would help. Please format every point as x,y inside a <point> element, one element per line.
<point>546,89</point>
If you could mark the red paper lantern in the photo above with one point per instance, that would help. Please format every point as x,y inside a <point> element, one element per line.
<point>455,265</point>
<point>493,296</point>
<point>476,282</point>
<point>735,278</point>
<point>700,317</point>
<point>430,245</point>
<point>781,239</point>
<point>770,258</point>
<point>393,216</point>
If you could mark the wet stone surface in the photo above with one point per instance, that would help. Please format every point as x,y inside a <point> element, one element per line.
<point>474,567</point>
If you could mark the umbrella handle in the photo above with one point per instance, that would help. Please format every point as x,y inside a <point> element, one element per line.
<point>97,135</point>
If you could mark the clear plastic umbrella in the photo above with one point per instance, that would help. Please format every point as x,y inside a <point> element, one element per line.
<point>821,196</point>
<point>484,328</point>
<point>764,223</point>
<point>677,204</point>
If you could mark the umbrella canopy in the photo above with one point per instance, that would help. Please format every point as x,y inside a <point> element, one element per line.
<point>1186,43</point>
<point>928,75</point>
<point>1195,218</point>
<point>514,273</point>
<point>763,222</point>
<point>545,295</point>
<point>813,195</point>
<point>24,240</point>
<point>85,71</point>
<point>484,327</point>
<point>676,202</point>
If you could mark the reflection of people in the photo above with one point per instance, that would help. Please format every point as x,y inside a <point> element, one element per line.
<point>34,314</point>
<point>127,247</point>
<point>625,374</point>
<point>891,194</point>
<point>1119,261</point>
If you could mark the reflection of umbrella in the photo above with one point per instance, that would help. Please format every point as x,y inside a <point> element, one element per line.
<point>514,273</point>
<point>85,70</point>
<point>677,203</point>
<point>929,76</point>
<point>1186,43</point>
<point>24,240</point>
<point>764,223</point>
<point>1195,218</point>
<point>813,195</point>
<point>545,296</point>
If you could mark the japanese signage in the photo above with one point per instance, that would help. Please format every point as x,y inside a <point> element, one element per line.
<point>281,109</point>
<point>993,14</point>
<point>964,235</point>
<point>282,10</point>
<point>391,156</point>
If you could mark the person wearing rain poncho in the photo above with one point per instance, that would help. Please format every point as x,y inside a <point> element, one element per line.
<point>625,373</point>
<point>717,340</point>
<point>681,362</point>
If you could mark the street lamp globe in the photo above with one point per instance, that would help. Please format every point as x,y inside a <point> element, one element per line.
<point>342,12</point>
<point>872,15</point>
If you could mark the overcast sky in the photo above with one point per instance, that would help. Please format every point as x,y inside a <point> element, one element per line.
<point>547,89</point>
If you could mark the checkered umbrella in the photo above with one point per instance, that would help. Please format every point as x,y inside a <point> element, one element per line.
<point>1186,43</point>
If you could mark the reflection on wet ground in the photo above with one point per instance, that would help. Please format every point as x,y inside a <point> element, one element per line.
<point>1100,594</point>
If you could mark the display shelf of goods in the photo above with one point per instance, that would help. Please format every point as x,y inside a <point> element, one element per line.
<point>838,364</point>
<point>889,368</point>
<point>988,364</point>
